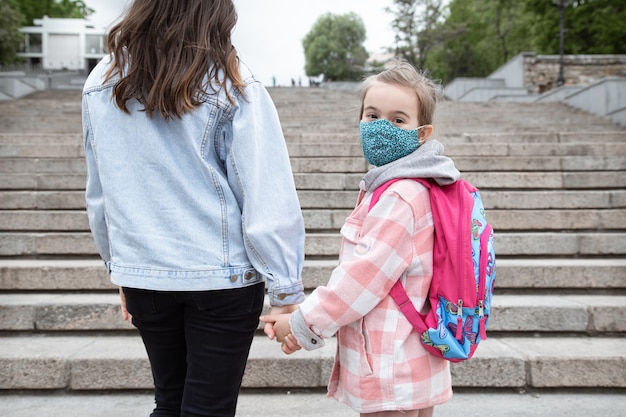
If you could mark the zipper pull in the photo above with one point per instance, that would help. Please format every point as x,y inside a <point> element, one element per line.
<point>459,321</point>
<point>482,330</point>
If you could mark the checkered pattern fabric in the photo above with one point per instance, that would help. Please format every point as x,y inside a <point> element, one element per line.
<point>380,363</point>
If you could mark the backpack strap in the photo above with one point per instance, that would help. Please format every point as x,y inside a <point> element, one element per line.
<point>379,192</point>
<point>401,298</point>
<point>397,292</point>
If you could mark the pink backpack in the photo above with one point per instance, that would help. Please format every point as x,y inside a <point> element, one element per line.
<point>463,272</point>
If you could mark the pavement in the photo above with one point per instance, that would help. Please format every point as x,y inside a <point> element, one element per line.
<point>314,403</point>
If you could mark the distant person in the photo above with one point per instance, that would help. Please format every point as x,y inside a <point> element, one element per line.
<point>191,198</point>
<point>381,367</point>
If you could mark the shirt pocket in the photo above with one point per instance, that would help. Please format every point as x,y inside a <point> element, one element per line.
<point>350,234</point>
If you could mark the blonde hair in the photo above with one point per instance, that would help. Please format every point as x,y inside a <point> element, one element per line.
<point>176,52</point>
<point>404,74</point>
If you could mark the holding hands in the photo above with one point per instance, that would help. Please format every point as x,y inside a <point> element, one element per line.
<point>277,326</point>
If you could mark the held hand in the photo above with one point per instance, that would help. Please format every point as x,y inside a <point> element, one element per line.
<point>268,329</point>
<point>290,344</point>
<point>278,324</point>
<point>125,314</point>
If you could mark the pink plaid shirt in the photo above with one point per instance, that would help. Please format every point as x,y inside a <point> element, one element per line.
<point>380,363</point>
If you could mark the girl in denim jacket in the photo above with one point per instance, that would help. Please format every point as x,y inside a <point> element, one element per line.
<point>190,197</point>
<point>381,367</point>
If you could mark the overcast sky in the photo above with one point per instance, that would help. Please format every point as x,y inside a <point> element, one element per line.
<point>269,33</point>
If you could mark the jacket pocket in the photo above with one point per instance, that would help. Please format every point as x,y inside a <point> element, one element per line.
<point>354,349</point>
<point>350,233</point>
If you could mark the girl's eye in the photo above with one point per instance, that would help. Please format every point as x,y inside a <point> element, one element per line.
<point>398,121</point>
<point>371,116</point>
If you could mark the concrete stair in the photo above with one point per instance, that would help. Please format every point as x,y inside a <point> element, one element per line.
<point>554,184</point>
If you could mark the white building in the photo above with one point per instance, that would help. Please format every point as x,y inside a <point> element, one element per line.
<point>62,44</point>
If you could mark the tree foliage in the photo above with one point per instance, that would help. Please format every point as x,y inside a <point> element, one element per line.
<point>10,37</point>
<point>592,26</point>
<point>419,28</point>
<point>487,34</point>
<point>36,9</point>
<point>473,38</point>
<point>334,48</point>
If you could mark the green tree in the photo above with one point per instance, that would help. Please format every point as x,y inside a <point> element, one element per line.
<point>484,35</point>
<point>36,9</point>
<point>491,32</point>
<point>10,37</point>
<point>591,26</point>
<point>334,48</point>
<point>419,28</point>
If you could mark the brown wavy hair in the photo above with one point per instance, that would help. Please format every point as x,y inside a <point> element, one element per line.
<point>171,53</point>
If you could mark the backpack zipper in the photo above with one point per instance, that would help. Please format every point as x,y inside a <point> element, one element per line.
<point>462,289</point>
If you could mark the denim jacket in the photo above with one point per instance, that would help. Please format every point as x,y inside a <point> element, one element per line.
<point>204,202</point>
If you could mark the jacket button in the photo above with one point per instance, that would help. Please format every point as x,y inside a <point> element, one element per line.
<point>233,278</point>
<point>314,341</point>
<point>249,275</point>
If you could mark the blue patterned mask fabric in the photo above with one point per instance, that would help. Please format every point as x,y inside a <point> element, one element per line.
<point>382,142</point>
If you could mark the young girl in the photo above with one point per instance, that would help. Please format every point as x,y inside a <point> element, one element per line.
<point>381,368</point>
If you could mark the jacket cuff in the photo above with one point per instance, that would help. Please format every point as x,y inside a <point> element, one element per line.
<point>286,295</point>
<point>305,336</point>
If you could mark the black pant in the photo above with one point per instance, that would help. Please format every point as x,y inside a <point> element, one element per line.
<point>198,344</point>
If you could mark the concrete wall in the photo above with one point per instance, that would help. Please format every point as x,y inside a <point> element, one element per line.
<point>606,97</point>
<point>17,84</point>
<point>459,87</point>
<point>512,72</point>
<point>594,83</point>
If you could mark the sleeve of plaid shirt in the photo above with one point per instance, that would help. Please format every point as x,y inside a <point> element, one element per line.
<point>370,263</point>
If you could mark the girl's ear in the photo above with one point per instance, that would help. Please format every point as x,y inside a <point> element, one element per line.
<point>424,133</point>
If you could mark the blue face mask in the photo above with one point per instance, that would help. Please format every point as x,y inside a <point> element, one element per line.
<point>383,142</point>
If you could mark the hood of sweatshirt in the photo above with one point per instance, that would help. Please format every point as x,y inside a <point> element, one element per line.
<point>427,161</point>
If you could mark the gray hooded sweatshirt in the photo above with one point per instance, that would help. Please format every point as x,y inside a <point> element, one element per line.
<point>427,161</point>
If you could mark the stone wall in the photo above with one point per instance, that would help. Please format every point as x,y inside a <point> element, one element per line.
<point>541,72</point>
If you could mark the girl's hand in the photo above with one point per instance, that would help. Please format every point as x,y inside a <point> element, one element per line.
<point>269,327</point>
<point>125,314</point>
<point>278,324</point>
<point>290,344</point>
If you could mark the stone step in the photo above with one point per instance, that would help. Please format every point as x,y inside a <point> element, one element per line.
<point>352,148</point>
<point>505,199</point>
<point>342,181</point>
<point>509,220</point>
<point>314,199</point>
<point>347,144</point>
<point>102,362</point>
<point>463,164</point>
<point>507,244</point>
<point>36,139</point>
<point>484,180</point>
<point>333,219</point>
<point>313,403</point>
<point>79,312</point>
<point>460,142</point>
<point>520,276</point>
<point>352,164</point>
<point>42,181</point>
<point>42,200</point>
<point>345,121</point>
<point>327,244</point>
